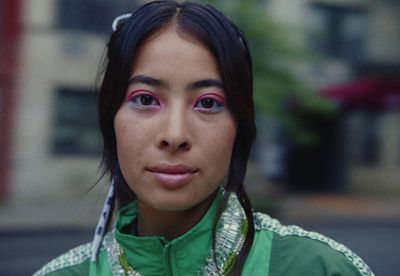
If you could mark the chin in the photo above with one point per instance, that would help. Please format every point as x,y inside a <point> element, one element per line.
<point>177,203</point>
<point>174,205</point>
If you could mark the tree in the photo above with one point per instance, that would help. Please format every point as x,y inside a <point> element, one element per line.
<point>277,91</point>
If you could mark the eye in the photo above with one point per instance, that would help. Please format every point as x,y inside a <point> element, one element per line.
<point>209,105</point>
<point>144,101</point>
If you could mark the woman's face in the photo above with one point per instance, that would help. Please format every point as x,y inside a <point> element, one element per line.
<point>174,132</point>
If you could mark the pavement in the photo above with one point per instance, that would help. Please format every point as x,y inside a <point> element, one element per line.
<point>288,207</point>
<point>50,213</point>
<point>319,207</point>
<point>369,224</point>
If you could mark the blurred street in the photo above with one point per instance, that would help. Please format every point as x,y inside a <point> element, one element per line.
<point>369,227</point>
<point>375,243</point>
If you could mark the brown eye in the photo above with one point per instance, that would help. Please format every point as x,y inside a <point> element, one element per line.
<point>146,99</point>
<point>207,103</point>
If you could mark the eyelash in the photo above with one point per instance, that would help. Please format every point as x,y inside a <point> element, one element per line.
<point>135,98</point>
<point>217,104</point>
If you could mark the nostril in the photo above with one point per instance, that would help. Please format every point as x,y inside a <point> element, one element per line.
<point>164,144</point>
<point>174,146</point>
<point>184,146</point>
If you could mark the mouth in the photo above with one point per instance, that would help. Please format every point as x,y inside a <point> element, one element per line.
<point>172,169</point>
<point>172,176</point>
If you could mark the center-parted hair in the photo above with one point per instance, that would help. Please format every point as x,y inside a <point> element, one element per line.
<point>229,47</point>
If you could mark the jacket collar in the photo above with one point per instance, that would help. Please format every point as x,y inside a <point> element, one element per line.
<point>190,253</point>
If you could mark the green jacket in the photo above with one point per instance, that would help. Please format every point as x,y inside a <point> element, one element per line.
<point>277,250</point>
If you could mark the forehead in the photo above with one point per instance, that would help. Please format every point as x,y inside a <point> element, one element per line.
<point>174,50</point>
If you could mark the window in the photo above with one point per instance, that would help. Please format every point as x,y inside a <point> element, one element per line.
<point>371,142</point>
<point>75,123</point>
<point>90,15</point>
<point>364,138</point>
<point>339,32</point>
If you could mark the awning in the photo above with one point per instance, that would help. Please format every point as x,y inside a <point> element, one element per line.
<point>371,93</point>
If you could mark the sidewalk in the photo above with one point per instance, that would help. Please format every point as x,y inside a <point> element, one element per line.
<point>289,208</point>
<point>324,208</point>
<point>292,208</point>
<point>63,213</point>
<point>369,225</point>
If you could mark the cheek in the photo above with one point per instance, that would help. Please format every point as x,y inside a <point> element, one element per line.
<point>122,129</point>
<point>220,146</point>
<point>127,136</point>
<point>127,128</point>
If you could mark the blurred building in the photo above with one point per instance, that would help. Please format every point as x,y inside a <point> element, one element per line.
<point>55,142</point>
<point>50,52</point>
<point>9,40</point>
<point>357,65</point>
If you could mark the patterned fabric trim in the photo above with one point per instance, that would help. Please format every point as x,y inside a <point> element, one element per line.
<point>112,252</point>
<point>265,222</point>
<point>230,239</point>
<point>73,257</point>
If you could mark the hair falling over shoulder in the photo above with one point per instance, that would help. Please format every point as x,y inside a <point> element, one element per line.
<point>229,46</point>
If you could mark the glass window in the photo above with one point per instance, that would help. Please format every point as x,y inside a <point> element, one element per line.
<point>364,138</point>
<point>90,15</point>
<point>339,32</point>
<point>371,142</point>
<point>75,124</point>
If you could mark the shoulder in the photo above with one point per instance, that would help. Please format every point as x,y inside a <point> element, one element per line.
<point>295,251</point>
<point>74,262</point>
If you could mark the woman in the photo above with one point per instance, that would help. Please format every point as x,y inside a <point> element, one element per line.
<point>177,119</point>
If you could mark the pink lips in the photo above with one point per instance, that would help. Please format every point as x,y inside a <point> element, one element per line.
<point>172,176</point>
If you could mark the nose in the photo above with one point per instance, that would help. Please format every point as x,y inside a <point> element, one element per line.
<point>174,135</point>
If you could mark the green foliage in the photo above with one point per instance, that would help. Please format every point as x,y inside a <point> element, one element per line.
<point>274,82</point>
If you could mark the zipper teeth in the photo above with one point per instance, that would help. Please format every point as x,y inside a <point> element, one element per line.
<point>167,260</point>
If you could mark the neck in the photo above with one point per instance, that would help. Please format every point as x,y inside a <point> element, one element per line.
<point>169,224</point>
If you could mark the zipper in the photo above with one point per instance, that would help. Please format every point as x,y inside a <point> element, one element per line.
<point>167,260</point>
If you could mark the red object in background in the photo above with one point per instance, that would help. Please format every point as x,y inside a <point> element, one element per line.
<point>9,33</point>
<point>372,93</point>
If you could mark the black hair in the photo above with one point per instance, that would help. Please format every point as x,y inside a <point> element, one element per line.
<point>229,47</point>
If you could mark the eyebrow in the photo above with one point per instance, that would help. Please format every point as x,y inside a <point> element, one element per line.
<point>205,83</point>
<point>148,81</point>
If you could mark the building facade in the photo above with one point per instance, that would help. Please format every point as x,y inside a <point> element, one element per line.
<point>355,43</point>
<point>10,29</point>
<point>55,146</point>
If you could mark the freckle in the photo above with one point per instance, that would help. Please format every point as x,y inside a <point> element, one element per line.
<point>122,128</point>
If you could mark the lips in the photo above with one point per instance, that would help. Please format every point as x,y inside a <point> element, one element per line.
<point>172,176</point>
